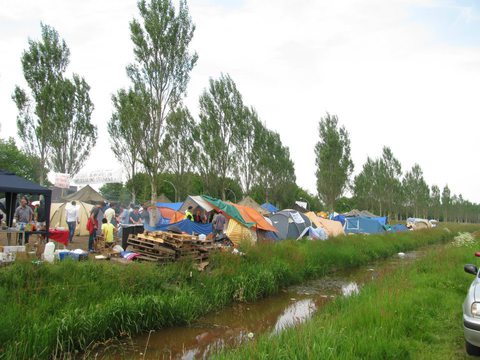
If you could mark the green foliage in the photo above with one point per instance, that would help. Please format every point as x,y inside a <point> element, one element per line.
<point>116,192</point>
<point>56,309</point>
<point>417,192</point>
<point>54,118</point>
<point>333,160</point>
<point>18,162</point>
<point>314,203</point>
<point>182,151</point>
<point>378,186</point>
<point>125,132</point>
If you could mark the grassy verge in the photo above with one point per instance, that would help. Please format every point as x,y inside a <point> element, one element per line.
<point>414,313</point>
<point>54,309</point>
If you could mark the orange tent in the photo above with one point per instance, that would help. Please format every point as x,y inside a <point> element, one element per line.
<point>176,217</point>
<point>251,215</point>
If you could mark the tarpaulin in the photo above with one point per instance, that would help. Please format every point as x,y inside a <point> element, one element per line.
<point>187,226</point>
<point>229,210</point>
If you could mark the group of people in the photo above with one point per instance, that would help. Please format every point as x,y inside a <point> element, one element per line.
<point>27,213</point>
<point>216,218</point>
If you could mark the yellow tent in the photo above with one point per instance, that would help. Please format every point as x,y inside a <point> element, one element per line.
<point>57,216</point>
<point>332,228</point>
<point>238,233</point>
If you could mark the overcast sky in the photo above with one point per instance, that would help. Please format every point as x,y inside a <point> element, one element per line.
<point>400,73</point>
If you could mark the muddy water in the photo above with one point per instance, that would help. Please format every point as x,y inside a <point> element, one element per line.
<point>243,322</point>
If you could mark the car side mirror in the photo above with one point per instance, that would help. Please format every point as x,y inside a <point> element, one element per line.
<point>470,269</point>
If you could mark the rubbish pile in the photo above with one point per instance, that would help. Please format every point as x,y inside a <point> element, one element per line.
<point>163,246</point>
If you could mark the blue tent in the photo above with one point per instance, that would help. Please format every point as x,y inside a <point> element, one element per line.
<point>381,219</point>
<point>173,206</point>
<point>363,225</point>
<point>398,228</point>
<point>270,208</point>
<point>186,226</point>
<point>340,219</point>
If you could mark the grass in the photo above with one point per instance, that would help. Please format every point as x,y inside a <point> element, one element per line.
<point>414,313</point>
<point>54,310</point>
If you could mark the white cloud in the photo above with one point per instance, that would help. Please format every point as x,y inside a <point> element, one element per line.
<point>390,80</point>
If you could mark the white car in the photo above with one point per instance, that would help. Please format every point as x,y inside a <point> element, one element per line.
<point>471,313</point>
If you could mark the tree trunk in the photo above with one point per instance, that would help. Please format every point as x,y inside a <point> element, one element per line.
<point>153,214</point>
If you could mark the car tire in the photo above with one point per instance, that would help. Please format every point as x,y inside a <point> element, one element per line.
<point>472,349</point>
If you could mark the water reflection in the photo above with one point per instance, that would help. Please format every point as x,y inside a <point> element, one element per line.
<point>232,326</point>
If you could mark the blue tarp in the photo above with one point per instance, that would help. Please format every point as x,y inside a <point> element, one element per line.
<point>270,208</point>
<point>186,226</point>
<point>339,218</point>
<point>173,206</point>
<point>363,225</point>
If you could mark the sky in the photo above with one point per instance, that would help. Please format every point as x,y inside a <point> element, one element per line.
<point>397,73</point>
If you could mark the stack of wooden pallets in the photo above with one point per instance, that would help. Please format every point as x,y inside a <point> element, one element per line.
<point>167,247</point>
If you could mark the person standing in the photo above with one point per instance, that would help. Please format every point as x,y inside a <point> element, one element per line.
<point>71,215</point>
<point>110,214</point>
<point>24,214</point>
<point>97,214</point>
<point>135,217</point>
<point>188,214</point>
<point>199,218</point>
<point>218,223</point>
<point>107,231</point>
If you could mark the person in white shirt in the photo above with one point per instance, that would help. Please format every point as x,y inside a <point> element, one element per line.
<point>109,214</point>
<point>71,215</point>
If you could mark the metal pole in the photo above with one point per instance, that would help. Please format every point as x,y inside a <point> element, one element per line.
<point>174,188</point>
<point>235,196</point>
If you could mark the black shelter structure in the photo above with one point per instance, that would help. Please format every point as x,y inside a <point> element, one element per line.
<point>12,185</point>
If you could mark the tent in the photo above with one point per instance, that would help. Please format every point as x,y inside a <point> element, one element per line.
<point>195,201</point>
<point>356,212</point>
<point>290,223</point>
<point>173,206</point>
<point>187,226</point>
<point>269,207</point>
<point>331,227</point>
<point>250,215</point>
<point>418,224</point>
<point>228,209</point>
<point>249,202</point>
<point>313,234</point>
<point>398,228</point>
<point>237,233</point>
<point>340,219</point>
<point>12,185</point>
<point>363,225</point>
<point>163,199</point>
<point>57,216</point>
<point>86,194</point>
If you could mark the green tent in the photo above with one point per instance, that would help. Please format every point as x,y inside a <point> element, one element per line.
<point>228,209</point>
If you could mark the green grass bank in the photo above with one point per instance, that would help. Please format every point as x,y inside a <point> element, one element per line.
<point>51,310</point>
<point>413,313</point>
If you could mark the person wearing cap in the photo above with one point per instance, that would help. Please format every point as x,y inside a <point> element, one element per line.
<point>188,214</point>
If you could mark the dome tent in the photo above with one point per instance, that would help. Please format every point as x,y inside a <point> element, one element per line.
<point>290,223</point>
<point>57,216</point>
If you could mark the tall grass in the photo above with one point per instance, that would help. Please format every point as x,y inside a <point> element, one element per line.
<point>414,313</point>
<point>51,310</point>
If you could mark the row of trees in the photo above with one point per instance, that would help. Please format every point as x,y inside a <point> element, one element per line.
<point>227,144</point>
<point>381,186</point>
<point>226,151</point>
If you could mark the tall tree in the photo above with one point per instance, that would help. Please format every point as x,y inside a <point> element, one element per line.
<point>43,66</point>
<point>125,132</point>
<point>389,182</point>
<point>333,160</point>
<point>73,135</point>
<point>417,191</point>
<point>248,148</point>
<point>160,74</point>
<point>446,202</point>
<point>182,151</point>
<point>221,112</point>
<point>435,201</point>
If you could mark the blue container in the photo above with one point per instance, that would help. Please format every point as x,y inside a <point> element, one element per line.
<point>64,255</point>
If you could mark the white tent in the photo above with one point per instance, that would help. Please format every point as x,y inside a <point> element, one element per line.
<point>57,216</point>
